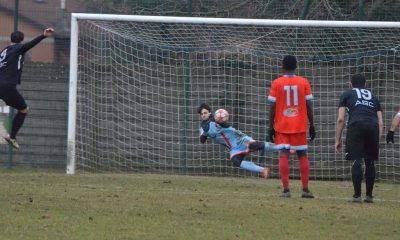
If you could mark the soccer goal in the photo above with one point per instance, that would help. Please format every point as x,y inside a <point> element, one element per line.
<point>136,83</point>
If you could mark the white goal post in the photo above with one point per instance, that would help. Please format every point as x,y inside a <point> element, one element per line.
<point>136,81</point>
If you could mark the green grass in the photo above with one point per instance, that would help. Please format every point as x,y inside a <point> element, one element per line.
<point>43,205</point>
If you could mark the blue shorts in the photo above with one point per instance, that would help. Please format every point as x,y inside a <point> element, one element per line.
<point>241,147</point>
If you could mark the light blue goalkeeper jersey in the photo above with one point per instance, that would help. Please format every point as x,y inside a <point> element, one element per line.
<point>236,141</point>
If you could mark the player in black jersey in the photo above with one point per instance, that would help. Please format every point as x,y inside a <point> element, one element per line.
<point>11,64</point>
<point>364,128</point>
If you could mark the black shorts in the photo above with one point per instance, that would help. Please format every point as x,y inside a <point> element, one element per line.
<point>12,97</point>
<point>362,141</point>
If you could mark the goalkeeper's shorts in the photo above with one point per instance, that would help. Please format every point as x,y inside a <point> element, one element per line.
<point>241,147</point>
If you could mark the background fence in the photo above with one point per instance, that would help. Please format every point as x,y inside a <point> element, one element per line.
<point>45,77</point>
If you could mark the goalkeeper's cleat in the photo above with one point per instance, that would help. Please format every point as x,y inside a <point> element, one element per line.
<point>306,193</point>
<point>265,173</point>
<point>11,141</point>
<point>368,199</point>
<point>356,199</point>
<point>285,193</point>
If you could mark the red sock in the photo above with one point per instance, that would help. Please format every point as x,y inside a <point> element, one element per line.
<point>304,171</point>
<point>284,170</point>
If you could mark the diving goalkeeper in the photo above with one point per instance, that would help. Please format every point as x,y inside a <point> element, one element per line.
<point>238,143</point>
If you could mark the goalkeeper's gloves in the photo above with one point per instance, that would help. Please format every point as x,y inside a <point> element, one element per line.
<point>390,137</point>
<point>271,135</point>
<point>312,133</point>
<point>203,137</point>
<point>205,125</point>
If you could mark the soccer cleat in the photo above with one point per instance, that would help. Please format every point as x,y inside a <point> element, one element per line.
<point>307,194</point>
<point>12,141</point>
<point>356,199</point>
<point>368,199</point>
<point>285,193</point>
<point>265,173</point>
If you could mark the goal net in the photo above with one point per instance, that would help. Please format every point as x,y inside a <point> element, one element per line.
<point>136,83</point>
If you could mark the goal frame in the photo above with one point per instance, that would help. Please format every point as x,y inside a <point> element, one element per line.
<point>73,75</point>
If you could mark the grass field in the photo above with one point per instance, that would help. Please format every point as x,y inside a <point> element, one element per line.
<point>43,205</point>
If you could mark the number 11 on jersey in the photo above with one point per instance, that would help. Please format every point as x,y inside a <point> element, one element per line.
<point>288,89</point>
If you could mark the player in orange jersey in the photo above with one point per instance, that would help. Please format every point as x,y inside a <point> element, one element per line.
<point>290,112</point>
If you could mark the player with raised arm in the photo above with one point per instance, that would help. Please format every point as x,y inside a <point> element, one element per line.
<point>290,112</point>
<point>11,64</point>
<point>238,143</point>
<point>364,127</point>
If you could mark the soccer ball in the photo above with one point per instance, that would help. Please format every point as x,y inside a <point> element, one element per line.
<point>221,115</point>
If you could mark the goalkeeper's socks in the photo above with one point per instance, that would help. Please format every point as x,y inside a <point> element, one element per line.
<point>268,146</point>
<point>250,166</point>
<point>284,171</point>
<point>304,171</point>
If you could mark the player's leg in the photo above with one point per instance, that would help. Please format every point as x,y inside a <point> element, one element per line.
<point>371,153</point>
<point>304,173</point>
<point>15,100</point>
<point>282,142</point>
<point>18,121</point>
<point>354,153</point>
<point>284,172</point>
<point>304,167</point>
<point>369,179</point>
<point>238,161</point>
<point>356,177</point>
<point>298,142</point>
<point>266,146</point>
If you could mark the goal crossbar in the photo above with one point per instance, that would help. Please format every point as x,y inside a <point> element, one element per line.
<point>236,21</point>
